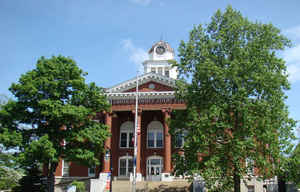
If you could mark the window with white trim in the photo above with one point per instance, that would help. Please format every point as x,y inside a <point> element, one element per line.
<point>126,134</point>
<point>92,171</point>
<point>125,166</point>
<point>160,70</point>
<point>65,168</point>
<point>167,72</point>
<point>155,135</point>
<point>250,166</point>
<point>251,188</point>
<point>153,69</point>
<point>180,139</point>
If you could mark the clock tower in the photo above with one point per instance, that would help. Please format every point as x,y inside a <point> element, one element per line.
<point>160,55</point>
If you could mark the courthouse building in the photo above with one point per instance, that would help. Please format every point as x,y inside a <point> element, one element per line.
<point>155,103</point>
<point>154,143</point>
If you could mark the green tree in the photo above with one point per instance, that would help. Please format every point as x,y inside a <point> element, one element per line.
<point>295,170</point>
<point>233,84</point>
<point>53,115</point>
<point>9,168</point>
<point>289,169</point>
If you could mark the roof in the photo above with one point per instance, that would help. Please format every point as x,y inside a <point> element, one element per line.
<point>163,43</point>
<point>145,78</point>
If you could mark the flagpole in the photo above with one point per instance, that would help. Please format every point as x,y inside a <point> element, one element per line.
<point>135,133</point>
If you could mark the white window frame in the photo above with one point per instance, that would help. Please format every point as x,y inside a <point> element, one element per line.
<point>63,168</point>
<point>126,127</point>
<point>160,70</point>
<point>89,171</point>
<point>251,188</point>
<point>250,170</point>
<point>165,72</point>
<point>148,164</point>
<point>127,158</point>
<point>182,134</point>
<point>155,127</point>
<point>153,69</point>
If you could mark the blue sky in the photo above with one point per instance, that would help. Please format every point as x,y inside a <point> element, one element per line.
<point>109,38</point>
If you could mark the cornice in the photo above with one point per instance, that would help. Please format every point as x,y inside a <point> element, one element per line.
<point>142,95</point>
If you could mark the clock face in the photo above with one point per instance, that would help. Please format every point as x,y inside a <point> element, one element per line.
<point>160,50</point>
<point>151,86</point>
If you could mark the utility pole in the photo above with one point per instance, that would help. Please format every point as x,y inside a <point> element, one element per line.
<point>135,132</point>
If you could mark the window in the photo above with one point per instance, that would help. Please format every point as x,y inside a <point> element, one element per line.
<point>125,166</point>
<point>154,168</point>
<point>92,171</point>
<point>160,70</point>
<point>250,166</point>
<point>180,138</point>
<point>126,134</point>
<point>153,69</point>
<point>251,188</point>
<point>65,168</point>
<point>167,73</point>
<point>155,135</point>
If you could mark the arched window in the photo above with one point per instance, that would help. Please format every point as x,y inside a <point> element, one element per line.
<point>155,135</point>
<point>125,166</point>
<point>126,134</point>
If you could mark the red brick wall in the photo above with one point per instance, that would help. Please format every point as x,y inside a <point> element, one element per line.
<point>78,170</point>
<point>117,152</point>
<point>147,117</point>
<point>75,170</point>
<point>58,171</point>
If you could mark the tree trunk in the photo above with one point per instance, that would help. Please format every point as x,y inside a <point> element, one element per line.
<point>281,184</point>
<point>237,182</point>
<point>51,177</point>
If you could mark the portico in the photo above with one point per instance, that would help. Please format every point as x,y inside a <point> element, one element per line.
<point>153,144</point>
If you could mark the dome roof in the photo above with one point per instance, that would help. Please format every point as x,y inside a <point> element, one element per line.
<point>163,43</point>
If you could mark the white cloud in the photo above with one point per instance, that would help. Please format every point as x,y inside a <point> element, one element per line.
<point>136,54</point>
<point>292,57</point>
<point>141,2</point>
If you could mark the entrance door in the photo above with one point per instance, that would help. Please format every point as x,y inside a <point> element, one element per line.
<point>125,166</point>
<point>154,168</point>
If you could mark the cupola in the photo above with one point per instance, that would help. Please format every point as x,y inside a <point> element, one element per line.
<point>160,55</point>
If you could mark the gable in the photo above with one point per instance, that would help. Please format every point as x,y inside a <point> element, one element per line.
<point>161,83</point>
<point>151,86</point>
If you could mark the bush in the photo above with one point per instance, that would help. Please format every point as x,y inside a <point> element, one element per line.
<point>31,182</point>
<point>80,186</point>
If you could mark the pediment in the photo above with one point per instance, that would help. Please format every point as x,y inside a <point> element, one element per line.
<point>149,82</point>
<point>151,86</point>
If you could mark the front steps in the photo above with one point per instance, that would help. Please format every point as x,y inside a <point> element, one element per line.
<point>151,186</point>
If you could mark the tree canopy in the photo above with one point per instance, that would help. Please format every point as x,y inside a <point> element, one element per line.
<point>52,115</point>
<point>9,168</point>
<point>233,83</point>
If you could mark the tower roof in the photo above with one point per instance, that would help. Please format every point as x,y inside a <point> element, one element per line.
<point>163,43</point>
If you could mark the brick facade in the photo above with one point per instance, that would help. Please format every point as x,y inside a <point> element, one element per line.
<point>125,112</point>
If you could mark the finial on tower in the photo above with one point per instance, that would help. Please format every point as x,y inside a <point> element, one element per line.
<point>161,37</point>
